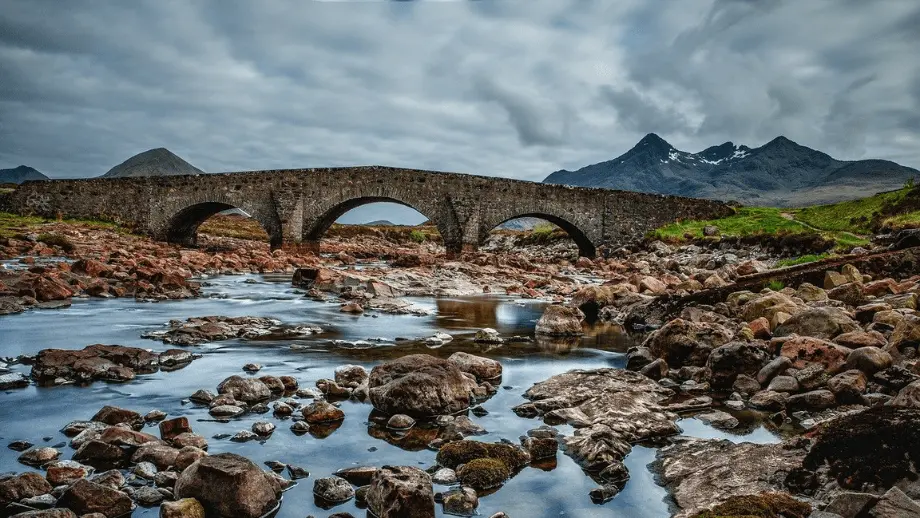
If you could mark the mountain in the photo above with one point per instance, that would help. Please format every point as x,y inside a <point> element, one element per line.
<point>155,162</point>
<point>20,174</point>
<point>526,223</point>
<point>779,173</point>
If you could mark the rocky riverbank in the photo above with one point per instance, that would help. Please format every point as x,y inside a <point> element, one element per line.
<point>830,366</point>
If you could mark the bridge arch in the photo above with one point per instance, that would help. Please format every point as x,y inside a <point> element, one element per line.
<point>586,247</point>
<point>315,228</point>
<point>182,226</point>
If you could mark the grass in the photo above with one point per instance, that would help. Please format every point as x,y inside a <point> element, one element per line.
<point>746,221</point>
<point>13,225</point>
<point>810,258</point>
<point>417,236</point>
<point>776,285</point>
<point>857,216</point>
<point>907,220</point>
<point>753,221</point>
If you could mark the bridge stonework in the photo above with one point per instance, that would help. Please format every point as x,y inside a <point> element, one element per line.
<point>297,206</point>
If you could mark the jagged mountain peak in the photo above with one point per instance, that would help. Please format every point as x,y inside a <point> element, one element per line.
<point>653,140</point>
<point>780,173</point>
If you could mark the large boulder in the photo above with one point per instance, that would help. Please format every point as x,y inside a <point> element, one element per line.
<point>228,486</point>
<point>85,497</point>
<point>681,342</point>
<point>26,485</point>
<point>401,492</point>
<point>419,385</point>
<point>825,323</point>
<point>560,320</point>
<point>611,409</point>
<point>727,361</point>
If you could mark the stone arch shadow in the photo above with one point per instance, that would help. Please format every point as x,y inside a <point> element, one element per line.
<point>314,232</point>
<point>182,227</point>
<point>586,247</point>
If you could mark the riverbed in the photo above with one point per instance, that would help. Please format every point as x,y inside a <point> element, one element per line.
<point>36,414</point>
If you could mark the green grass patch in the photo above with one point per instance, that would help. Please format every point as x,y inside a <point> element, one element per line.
<point>851,216</point>
<point>746,221</point>
<point>810,258</point>
<point>907,220</point>
<point>417,236</point>
<point>776,285</point>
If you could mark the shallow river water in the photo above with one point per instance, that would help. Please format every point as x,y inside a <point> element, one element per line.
<point>37,414</point>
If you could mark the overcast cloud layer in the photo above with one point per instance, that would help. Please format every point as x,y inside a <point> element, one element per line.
<point>516,89</point>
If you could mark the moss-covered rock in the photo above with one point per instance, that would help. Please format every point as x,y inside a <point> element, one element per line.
<point>453,454</point>
<point>484,473</point>
<point>764,505</point>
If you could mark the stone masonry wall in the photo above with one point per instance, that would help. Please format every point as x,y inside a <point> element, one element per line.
<point>297,206</point>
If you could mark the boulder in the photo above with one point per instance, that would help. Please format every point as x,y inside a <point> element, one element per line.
<point>112,415</point>
<point>482,368</point>
<point>848,386</point>
<point>350,376</point>
<point>26,485</point>
<point>908,396</point>
<point>850,294</point>
<point>560,320</point>
<point>767,306</point>
<point>85,497</point>
<point>333,490</point>
<point>419,385</point>
<point>869,360</point>
<point>184,508</point>
<point>228,486</point>
<point>906,333</point>
<point>322,412</point>
<point>681,342</point>
<point>825,323</point>
<point>803,350</point>
<point>727,361</point>
<point>895,504</point>
<point>247,390</point>
<point>401,492</point>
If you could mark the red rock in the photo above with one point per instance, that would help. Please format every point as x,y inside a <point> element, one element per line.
<point>803,350</point>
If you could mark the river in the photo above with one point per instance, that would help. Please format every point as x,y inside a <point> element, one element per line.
<point>37,414</point>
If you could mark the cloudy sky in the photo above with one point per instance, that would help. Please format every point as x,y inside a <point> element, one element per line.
<point>504,88</point>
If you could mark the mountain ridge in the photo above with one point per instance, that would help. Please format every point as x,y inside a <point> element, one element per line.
<point>780,173</point>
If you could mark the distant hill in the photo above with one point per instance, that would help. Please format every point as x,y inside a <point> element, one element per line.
<point>779,173</point>
<point>20,174</point>
<point>380,223</point>
<point>155,162</point>
<point>521,223</point>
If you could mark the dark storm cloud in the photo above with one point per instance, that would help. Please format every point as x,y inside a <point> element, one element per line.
<point>502,88</point>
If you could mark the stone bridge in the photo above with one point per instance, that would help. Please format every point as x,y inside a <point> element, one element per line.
<point>297,206</point>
